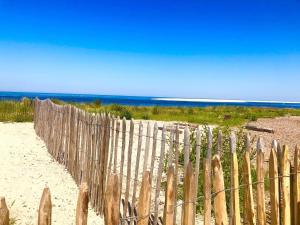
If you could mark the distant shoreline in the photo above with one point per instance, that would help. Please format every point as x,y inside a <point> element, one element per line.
<point>222,100</point>
<point>149,100</point>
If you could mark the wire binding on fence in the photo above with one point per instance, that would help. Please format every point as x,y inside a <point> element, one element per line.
<point>202,197</point>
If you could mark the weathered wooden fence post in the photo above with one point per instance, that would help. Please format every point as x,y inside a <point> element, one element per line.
<point>189,196</point>
<point>207,180</point>
<point>159,174</point>
<point>4,212</point>
<point>291,175</point>
<point>153,154</point>
<point>122,153</point>
<point>144,200</point>
<point>82,205</point>
<point>235,199</point>
<point>197,165</point>
<point>274,188</point>
<point>125,208</point>
<point>186,145</point>
<point>137,164</point>
<point>286,207</point>
<point>279,160</point>
<point>221,217</point>
<point>249,213</point>
<point>45,209</point>
<point>170,198</point>
<point>176,164</point>
<point>261,211</point>
<point>112,201</point>
<point>297,185</point>
<point>147,146</point>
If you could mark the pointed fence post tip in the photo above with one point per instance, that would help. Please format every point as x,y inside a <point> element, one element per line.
<point>45,209</point>
<point>216,162</point>
<point>274,145</point>
<point>232,142</point>
<point>4,213</point>
<point>260,144</point>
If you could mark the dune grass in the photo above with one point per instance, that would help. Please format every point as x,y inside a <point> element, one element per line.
<point>219,115</point>
<point>16,111</point>
<point>22,111</point>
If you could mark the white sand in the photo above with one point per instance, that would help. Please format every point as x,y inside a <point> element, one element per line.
<point>25,169</point>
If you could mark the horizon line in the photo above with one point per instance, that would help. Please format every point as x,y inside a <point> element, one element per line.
<point>180,99</point>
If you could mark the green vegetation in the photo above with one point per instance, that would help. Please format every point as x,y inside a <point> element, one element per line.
<point>220,115</point>
<point>16,111</point>
<point>226,162</point>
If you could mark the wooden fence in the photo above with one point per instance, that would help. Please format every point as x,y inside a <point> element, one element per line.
<point>93,146</point>
<point>98,149</point>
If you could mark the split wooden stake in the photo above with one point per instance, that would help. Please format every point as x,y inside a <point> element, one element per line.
<point>45,209</point>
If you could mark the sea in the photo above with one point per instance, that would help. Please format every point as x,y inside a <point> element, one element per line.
<point>147,100</point>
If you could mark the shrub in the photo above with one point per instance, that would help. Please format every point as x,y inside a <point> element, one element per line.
<point>155,110</point>
<point>251,117</point>
<point>116,107</point>
<point>190,111</point>
<point>145,117</point>
<point>97,103</point>
<point>16,111</point>
<point>125,113</point>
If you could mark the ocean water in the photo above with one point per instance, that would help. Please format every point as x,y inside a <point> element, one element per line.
<point>146,100</point>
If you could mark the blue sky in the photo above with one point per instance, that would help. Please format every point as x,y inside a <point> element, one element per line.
<point>201,49</point>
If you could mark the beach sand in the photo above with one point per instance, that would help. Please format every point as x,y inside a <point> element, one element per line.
<point>286,132</point>
<point>25,169</point>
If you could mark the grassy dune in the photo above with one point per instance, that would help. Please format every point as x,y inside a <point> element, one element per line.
<point>220,115</point>
<point>22,111</point>
<point>16,111</point>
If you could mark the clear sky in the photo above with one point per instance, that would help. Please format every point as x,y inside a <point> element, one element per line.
<point>199,49</point>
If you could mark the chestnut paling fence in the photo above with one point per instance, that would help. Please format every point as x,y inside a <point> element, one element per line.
<point>125,167</point>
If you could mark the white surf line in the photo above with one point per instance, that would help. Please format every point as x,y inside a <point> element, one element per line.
<point>196,100</point>
<point>220,100</point>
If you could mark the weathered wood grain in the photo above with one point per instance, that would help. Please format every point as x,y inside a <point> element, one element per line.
<point>170,198</point>
<point>82,205</point>
<point>261,210</point>
<point>221,217</point>
<point>45,208</point>
<point>112,201</point>
<point>159,175</point>
<point>286,207</point>
<point>4,212</point>
<point>207,180</point>
<point>235,202</point>
<point>189,195</point>
<point>274,188</point>
<point>144,200</point>
<point>249,213</point>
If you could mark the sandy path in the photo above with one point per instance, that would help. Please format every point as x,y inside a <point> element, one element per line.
<point>286,131</point>
<point>25,169</point>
